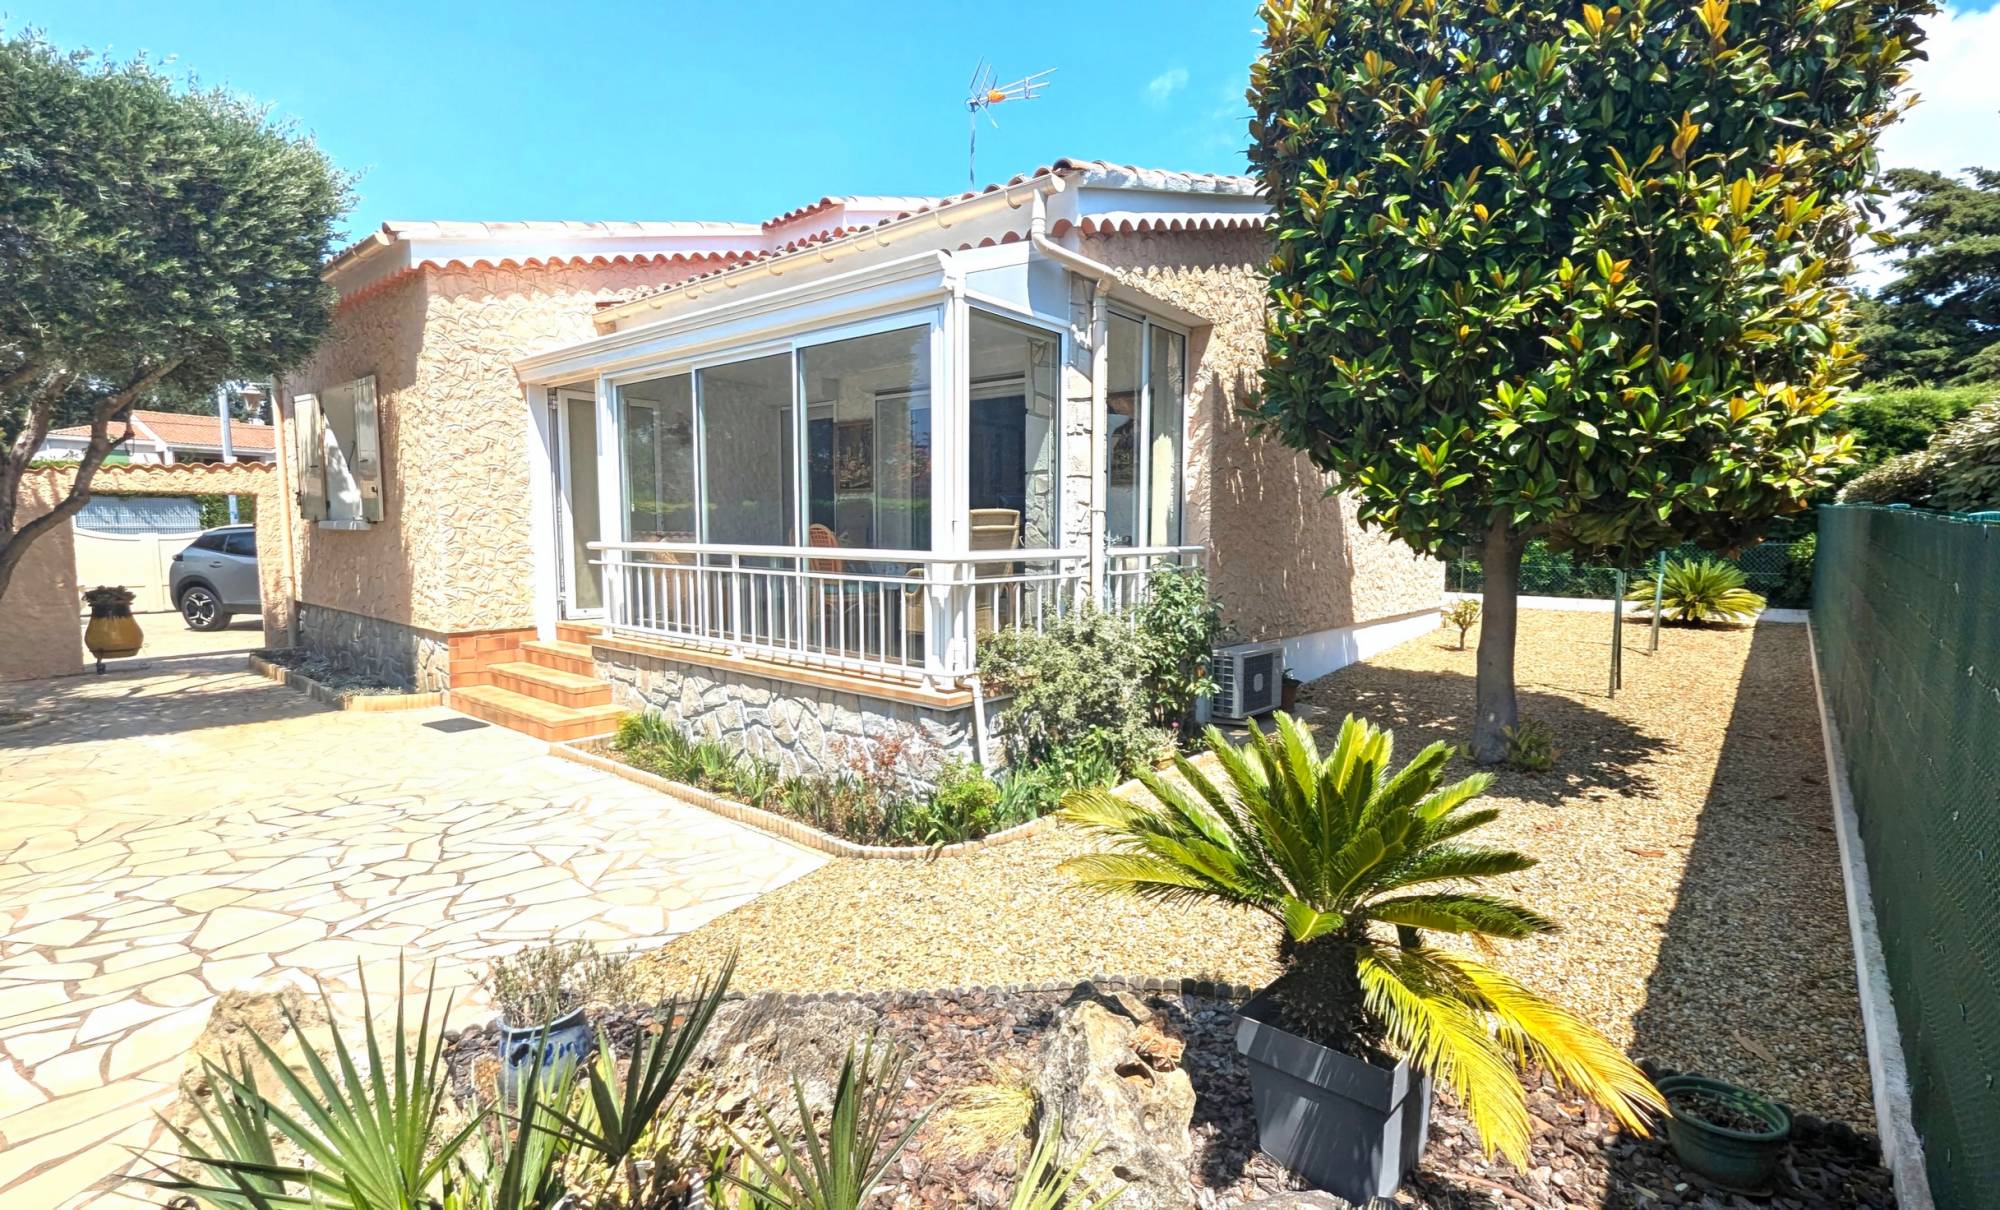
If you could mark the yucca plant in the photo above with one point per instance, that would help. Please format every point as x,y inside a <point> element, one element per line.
<point>373,1135</point>
<point>1356,862</point>
<point>1701,590</point>
<point>1053,1176</point>
<point>840,1168</point>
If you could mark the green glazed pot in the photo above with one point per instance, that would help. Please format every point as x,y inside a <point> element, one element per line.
<point>1741,1161</point>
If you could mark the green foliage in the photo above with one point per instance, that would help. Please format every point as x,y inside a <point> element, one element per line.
<point>1053,1177</point>
<point>837,1169</point>
<point>159,240</point>
<point>374,1135</point>
<point>1178,624</point>
<point>1577,271</point>
<point>1968,462</point>
<point>1328,846</point>
<point>1938,320</point>
<point>536,985</point>
<point>1698,591</point>
<point>873,799</point>
<point>1905,479</point>
<point>1079,691</point>
<point>1885,423</point>
<point>1464,614</point>
<point>1798,576</point>
<point>1531,747</point>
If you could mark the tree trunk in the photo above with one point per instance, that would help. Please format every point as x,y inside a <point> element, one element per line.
<point>1500,564</point>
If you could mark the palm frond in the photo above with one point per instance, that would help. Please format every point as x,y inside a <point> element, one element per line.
<point>1564,1045</point>
<point>1053,1177</point>
<point>1461,912</point>
<point>1429,1018</point>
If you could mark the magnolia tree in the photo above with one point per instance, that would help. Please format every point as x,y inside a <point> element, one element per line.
<point>154,241</point>
<point>1562,271</point>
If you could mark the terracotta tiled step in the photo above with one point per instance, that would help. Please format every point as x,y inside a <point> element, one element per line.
<point>551,684</point>
<point>543,720</point>
<point>578,632</point>
<point>561,656</point>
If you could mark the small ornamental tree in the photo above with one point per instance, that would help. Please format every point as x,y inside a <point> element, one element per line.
<point>155,240</point>
<point>1563,271</point>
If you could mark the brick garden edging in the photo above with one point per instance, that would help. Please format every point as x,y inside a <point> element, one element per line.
<point>783,826</point>
<point>342,699</point>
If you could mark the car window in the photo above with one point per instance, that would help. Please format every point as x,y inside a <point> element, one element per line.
<point>243,542</point>
<point>208,542</point>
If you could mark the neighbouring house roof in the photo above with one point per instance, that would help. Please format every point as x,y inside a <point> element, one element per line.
<point>401,248</point>
<point>189,431</point>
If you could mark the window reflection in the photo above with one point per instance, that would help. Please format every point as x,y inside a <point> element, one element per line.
<point>868,440</point>
<point>1012,448</point>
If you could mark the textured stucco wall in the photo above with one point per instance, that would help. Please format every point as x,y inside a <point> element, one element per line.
<point>451,552</point>
<point>1285,558</point>
<point>39,635</point>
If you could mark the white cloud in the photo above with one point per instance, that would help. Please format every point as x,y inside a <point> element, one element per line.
<point>1161,88</point>
<point>1957,123</point>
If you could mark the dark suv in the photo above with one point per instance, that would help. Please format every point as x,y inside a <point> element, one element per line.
<point>216,576</point>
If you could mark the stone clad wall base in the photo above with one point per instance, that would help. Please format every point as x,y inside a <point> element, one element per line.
<point>388,651</point>
<point>799,728</point>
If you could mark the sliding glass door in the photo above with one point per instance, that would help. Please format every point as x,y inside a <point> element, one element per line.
<point>1145,435</point>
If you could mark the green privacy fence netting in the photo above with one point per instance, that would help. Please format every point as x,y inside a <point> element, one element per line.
<point>1768,568</point>
<point>1906,617</point>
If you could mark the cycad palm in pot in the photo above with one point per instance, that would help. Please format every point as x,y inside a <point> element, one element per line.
<point>1357,862</point>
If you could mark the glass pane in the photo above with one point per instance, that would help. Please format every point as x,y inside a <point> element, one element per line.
<point>1166,383</point>
<point>868,440</point>
<point>657,418</point>
<point>1013,435</point>
<point>586,590</point>
<point>747,447</point>
<point>1124,349</point>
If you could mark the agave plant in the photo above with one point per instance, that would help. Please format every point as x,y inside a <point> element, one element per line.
<point>840,1169</point>
<point>1701,590</point>
<point>1356,863</point>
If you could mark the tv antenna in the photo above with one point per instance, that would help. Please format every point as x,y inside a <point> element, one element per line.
<point>984,94</point>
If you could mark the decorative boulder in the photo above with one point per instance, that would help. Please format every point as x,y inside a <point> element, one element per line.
<point>1111,1069</point>
<point>755,1048</point>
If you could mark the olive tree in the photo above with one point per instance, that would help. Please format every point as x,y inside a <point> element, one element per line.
<point>1562,271</point>
<point>155,240</point>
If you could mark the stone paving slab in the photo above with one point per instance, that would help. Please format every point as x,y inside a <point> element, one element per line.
<point>181,829</point>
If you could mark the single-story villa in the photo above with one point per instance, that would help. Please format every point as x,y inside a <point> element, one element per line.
<point>779,479</point>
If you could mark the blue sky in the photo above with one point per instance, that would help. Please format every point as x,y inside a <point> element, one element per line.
<point>706,109</point>
<point>684,109</point>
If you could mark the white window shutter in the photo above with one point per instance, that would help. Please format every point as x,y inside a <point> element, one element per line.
<point>309,428</point>
<point>367,448</point>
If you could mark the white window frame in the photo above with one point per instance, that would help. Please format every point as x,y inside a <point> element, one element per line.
<point>1143,471</point>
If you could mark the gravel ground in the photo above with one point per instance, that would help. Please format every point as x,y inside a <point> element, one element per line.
<point>1684,836</point>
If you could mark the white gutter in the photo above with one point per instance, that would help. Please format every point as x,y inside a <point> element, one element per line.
<point>1101,278</point>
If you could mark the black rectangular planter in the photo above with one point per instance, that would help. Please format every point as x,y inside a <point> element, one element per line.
<point>1346,1125</point>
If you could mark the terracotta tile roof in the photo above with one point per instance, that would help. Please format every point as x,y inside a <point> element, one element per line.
<point>192,431</point>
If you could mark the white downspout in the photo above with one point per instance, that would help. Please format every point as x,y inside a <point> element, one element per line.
<point>1101,277</point>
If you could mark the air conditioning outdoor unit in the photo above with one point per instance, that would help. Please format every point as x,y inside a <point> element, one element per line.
<point>1249,678</point>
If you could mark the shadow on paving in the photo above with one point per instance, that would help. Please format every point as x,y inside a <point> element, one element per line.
<point>1755,980</point>
<point>130,701</point>
<point>1602,754</point>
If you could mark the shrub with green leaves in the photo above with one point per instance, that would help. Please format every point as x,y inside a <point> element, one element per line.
<point>1567,271</point>
<point>1077,691</point>
<point>1700,590</point>
<point>1464,614</point>
<point>1178,625</point>
<point>542,982</point>
<point>1905,479</point>
<point>1968,462</point>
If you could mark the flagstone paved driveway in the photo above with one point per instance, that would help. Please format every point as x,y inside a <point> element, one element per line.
<point>177,830</point>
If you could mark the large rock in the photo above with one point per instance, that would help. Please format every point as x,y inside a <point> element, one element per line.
<point>1111,1070</point>
<point>755,1048</point>
<point>242,1015</point>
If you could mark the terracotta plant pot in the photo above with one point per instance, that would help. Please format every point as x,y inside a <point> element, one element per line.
<point>113,632</point>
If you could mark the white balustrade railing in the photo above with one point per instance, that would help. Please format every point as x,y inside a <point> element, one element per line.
<point>1128,570</point>
<point>886,612</point>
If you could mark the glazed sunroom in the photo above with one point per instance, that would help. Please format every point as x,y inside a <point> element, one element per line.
<point>864,454</point>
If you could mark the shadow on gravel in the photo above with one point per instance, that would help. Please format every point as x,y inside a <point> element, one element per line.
<point>1600,753</point>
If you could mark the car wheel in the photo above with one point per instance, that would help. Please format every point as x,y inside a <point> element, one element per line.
<point>202,610</point>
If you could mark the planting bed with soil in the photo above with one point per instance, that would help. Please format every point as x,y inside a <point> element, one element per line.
<point>959,1039</point>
